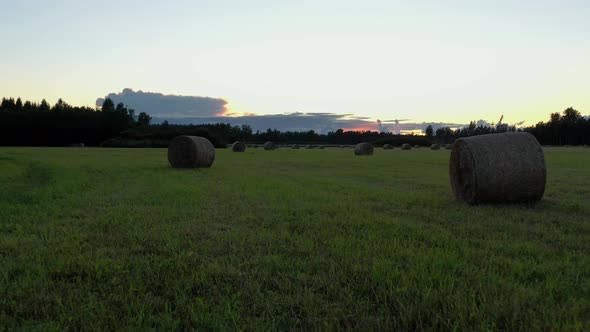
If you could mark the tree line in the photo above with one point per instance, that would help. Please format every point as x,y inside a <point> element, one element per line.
<point>40,124</point>
<point>567,128</point>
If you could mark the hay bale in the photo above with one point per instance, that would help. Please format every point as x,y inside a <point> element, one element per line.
<point>387,147</point>
<point>269,146</point>
<point>190,152</point>
<point>363,149</point>
<point>498,168</point>
<point>435,147</point>
<point>238,146</point>
<point>406,146</point>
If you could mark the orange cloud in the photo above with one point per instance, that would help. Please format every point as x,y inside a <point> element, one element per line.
<point>368,127</point>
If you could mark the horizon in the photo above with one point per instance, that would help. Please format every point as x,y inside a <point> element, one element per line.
<point>321,123</point>
<point>427,62</point>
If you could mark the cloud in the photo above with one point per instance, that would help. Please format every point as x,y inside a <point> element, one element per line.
<point>160,105</point>
<point>320,123</point>
<point>199,110</point>
<point>482,123</point>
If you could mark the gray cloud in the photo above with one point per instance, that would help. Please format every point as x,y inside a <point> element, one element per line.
<point>199,110</point>
<point>321,123</point>
<point>160,105</point>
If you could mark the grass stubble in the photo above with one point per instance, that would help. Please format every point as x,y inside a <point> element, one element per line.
<point>308,239</point>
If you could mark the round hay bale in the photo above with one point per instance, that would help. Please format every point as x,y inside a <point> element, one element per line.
<point>387,147</point>
<point>269,146</point>
<point>363,149</point>
<point>498,168</point>
<point>406,146</point>
<point>190,152</point>
<point>435,147</point>
<point>238,146</point>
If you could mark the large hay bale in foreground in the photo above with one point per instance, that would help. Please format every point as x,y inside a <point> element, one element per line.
<point>435,147</point>
<point>363,149</point>
<point>238,146</point>
<point>406,146</point>
<point>190,152</point>
<point>387,147</point>
<point>498,168</point>
<point>269,146</point>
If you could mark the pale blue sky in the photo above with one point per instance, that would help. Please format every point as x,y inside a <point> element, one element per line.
<point>450,61</point>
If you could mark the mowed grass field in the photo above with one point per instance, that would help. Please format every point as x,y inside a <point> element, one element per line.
<point>104,239</point>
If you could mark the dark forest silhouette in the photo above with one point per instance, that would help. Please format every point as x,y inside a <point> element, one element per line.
<point>39,124</point>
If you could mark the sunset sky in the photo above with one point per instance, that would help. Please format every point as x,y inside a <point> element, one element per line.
<point>443,61</point>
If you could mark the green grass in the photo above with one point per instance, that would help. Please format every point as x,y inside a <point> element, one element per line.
<point>289,239</point>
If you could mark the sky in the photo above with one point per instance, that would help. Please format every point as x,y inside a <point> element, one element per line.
<point>446,62</point>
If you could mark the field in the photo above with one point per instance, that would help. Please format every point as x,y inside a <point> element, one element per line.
<point>288,239</point>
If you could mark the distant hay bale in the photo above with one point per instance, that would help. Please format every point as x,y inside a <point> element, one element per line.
<point>295,146</point>
<point>406,146</point>
<point>363,149</point>
<point>387,147</point>
<point>190,152</point>
<point>435,147</point>
<point>498,168</point>
<point>238,146</point>
<point>269,146</point>
<point>77,145</point>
